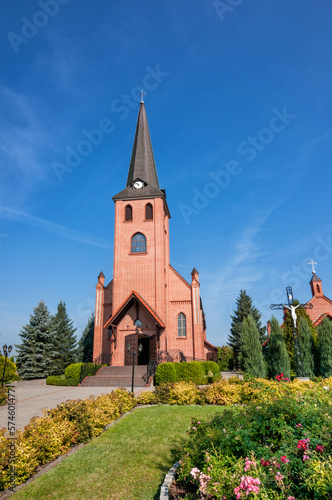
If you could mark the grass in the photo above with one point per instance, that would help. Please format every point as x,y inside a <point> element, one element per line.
<point>128,462</point>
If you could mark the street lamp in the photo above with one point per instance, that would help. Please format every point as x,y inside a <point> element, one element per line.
<point>6,351</point>
<point>140,348</point>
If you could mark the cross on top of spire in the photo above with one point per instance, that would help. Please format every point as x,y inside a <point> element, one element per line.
<point>142,94</point>
<point>312,263</point>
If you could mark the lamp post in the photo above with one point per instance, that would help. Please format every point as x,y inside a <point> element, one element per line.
<point>140,348</point>
<point>6,351</point>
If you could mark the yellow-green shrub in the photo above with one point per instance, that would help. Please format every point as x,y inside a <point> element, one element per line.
<point>146,398</point>
<point>183,393</point>
<point>221,393</point>
<point>47,437</point>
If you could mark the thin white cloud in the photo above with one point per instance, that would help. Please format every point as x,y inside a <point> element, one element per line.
<point>22,137</point>
<point>314,142</point>
<point>51,227</point>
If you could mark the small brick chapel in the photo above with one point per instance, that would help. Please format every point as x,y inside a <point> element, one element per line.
<point>148,307</point>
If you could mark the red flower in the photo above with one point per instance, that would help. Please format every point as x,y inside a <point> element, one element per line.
<point>320,448</point>
<point>284,459</point>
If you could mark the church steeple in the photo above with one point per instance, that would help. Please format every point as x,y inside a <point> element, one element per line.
<point>142,164</point>
<point>142,181</point>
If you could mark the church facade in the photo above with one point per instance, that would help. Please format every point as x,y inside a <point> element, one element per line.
<point>148,307</point>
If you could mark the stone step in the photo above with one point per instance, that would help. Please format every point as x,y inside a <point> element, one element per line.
<point>116,376</point>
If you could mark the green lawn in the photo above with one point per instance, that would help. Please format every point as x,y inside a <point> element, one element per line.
<point>128,462</point>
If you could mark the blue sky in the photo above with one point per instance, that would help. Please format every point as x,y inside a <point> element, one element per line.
<point>239,106</point>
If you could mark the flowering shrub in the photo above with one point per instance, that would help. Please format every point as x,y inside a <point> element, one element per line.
<point>282,378</point>
<point>278,450</point>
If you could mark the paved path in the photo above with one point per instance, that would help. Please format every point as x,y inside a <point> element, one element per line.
<point>32,396</point>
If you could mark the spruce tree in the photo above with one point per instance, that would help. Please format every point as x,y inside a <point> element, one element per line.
<point>278,359</point>
<point>65,342</point>
<point>325,348</point>
<point>307,349</point>
<point>244,308</point>
<point>85,345</point>
<point>35,354</point>
<point>251,354</point>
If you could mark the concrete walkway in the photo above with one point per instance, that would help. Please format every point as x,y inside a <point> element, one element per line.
<point>32,396</point>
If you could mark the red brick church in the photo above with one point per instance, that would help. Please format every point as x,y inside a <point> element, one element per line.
<point>148,306</point>
<point>322,306</point>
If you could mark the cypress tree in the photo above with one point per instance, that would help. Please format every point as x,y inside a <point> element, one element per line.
<point>278,359</point>
<point>65,342</point>
<point>85,345</point>
<point>325,348</point>
<point>35,354</point>
<point>244,308</point>
<point>307,348</point>
<point>251,354</point>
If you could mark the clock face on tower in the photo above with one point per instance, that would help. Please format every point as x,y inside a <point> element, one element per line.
<point>138,184</point>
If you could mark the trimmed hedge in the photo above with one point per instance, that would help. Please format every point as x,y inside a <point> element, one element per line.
<point>198,372</point>
<point>61,380</point>
<point>72,374</point>
<point>73,370</point>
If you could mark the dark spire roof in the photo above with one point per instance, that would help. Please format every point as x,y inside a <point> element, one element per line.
<point>142,165</point>
<point>314,278</point>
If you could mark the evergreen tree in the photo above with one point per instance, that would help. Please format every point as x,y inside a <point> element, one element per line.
<point>244,308</point>
<point>325,348</point>
<point>85,345</point>
<point>278,359</point>
<point>225,358</point>
<point>251,354</point>
<point>64,340</point>
<point>307,349</point>
<point>35,354</point>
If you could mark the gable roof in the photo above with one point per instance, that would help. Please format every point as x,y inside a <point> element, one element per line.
<point>134,296</point>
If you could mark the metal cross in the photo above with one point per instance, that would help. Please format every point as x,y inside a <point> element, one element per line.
<point>292,309</point>
<point>142,93</point>
<point>312,264</point>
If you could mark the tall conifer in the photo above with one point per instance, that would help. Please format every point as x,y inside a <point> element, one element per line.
<point>35,354</point>
<point>251,354</point>
<point>307,348</point>
<point>325,348</point>
<point>85,344</point>
<point>244,308</point>
<point>65,342</point>
<point>278,359</point>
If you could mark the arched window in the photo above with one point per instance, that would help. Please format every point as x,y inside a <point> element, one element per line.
<point>129,212</point>
<point>182,328</point>
<point>318,289</point>
<point>138,243</point>
<point>148,211</point>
